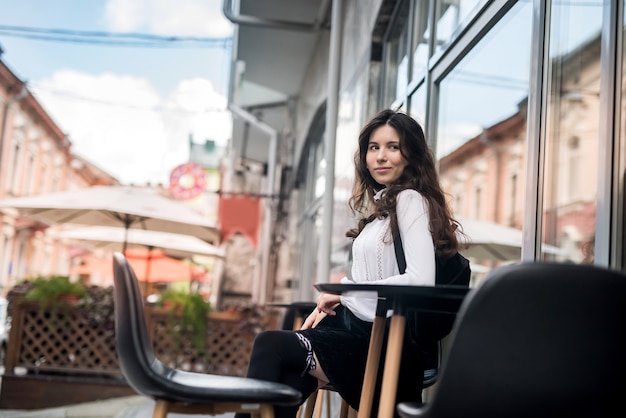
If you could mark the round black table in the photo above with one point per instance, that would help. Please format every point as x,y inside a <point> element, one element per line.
<point>401,299</point>
<point>441,298</point>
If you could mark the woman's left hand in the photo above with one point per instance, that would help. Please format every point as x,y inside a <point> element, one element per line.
<point>327,303</point>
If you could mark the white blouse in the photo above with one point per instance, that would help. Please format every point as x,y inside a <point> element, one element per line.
<point>374,259</point>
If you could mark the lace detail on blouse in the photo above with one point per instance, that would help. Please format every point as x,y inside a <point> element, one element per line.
<point>380,245</point>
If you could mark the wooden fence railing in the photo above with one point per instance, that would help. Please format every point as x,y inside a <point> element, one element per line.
<point>62,341</point>
<point>63,344</point>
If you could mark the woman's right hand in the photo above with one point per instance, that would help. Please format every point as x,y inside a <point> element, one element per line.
<point>313,319</point>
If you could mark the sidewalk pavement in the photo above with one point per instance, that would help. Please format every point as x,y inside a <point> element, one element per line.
<point>124,407</point>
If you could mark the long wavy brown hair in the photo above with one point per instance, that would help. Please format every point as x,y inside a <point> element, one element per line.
<point>419,174</point>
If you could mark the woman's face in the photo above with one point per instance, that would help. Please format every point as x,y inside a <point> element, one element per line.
<point>384,159</point>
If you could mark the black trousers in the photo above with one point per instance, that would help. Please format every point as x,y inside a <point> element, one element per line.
<point>278,356</point>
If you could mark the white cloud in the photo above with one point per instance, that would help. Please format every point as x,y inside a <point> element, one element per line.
<point>166,17</point>
<point>198,95</point>
<point>125,15</point>
<point>123,125</point>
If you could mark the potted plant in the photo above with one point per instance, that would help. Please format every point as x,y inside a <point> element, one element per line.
<point>193,311</point>
<point>54,290</point>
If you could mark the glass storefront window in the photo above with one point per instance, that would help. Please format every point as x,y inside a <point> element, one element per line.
<point>351,115</point>
<point>396,56</point>
<point>568,215</point>
<point>320,166</point>
<point>417,106</point>
<point>480,138</point>
<point>452,17</point>
<point>309,196</point>
<point>421,34</point>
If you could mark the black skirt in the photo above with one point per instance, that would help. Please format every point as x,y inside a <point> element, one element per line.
<point>341,342</point>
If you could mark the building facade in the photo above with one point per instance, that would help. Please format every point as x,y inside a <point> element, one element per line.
<point>35,158</point>
<point>522,102</point>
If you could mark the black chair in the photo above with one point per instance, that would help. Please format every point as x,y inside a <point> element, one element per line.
<point>295,314</point>
<point>536,339</point>
<point>177,390</point>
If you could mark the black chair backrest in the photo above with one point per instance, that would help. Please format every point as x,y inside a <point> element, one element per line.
<point>537,339</point>
<point>134,348</point>
<point>295,309</point>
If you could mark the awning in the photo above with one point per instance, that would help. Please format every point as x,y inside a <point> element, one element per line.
<point>274,43</point>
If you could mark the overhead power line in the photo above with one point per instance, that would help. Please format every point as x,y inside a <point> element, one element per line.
<point>38,90</point>
<point>113,38</point>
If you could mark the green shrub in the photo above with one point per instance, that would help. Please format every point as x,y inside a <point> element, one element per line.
<point>193,311</point>
<point>51,290</point>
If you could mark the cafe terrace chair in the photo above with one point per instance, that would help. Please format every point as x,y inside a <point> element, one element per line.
<point>535,339</point>
<point>175,390</point>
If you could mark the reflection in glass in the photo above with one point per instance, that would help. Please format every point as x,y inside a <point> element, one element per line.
<point>420,39</point>
<point>351,115</point>
<point>480,141</point>
<point>396,55</point>
<point>572,132</point>
<point>452,16</point>
<point>320,169</point>
<point>417,103</point>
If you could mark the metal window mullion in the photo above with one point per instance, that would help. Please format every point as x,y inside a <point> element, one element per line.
<point>535,134</point>
<point>430,116</point>
<point>410,46</point>
<point>609,245</point>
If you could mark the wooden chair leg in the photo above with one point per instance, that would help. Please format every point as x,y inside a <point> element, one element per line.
<point>328,401</point>
<point>392,366</point>
<point>319,403</point>
<point>371,366</point>
<point>309,406</point>
<point>352,413</point>
<point>161,408</point>
<point>265,411</point>
<point>343,411</point>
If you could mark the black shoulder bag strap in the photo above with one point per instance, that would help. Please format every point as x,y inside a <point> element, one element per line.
<point>397,244</point>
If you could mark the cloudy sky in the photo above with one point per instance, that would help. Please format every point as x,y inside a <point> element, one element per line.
<point>129,109</point>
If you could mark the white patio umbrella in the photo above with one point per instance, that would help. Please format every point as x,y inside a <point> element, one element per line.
<point>489,240</point>
<point>112,238</point>
<point>125,206</point>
